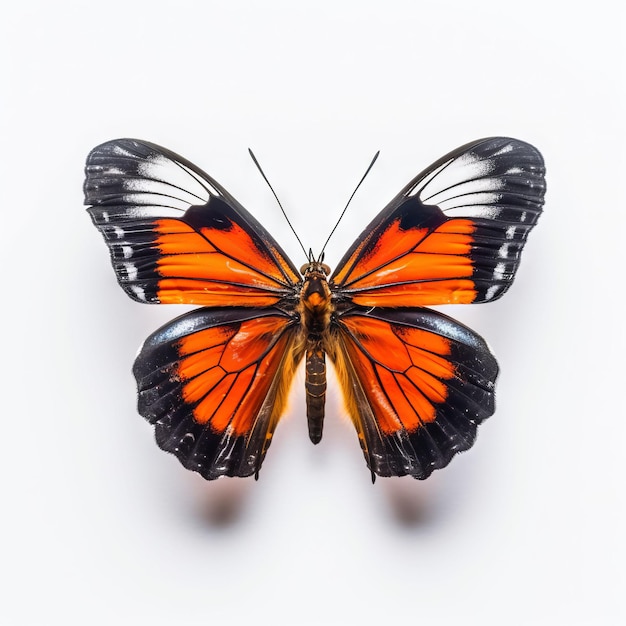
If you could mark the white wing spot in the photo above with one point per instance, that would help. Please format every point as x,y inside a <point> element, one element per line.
<point>510,232</point>
<point>491,292</point>
<point>498,272</point>
<point>508,147</point>
<point>131,271</point>
<point>119,151</point>
<point>138,292</point>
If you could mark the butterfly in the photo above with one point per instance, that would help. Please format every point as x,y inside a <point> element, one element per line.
<point>214,381</point>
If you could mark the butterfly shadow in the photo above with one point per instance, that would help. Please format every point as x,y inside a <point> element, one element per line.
<point>411,504</point>
<point>425,504</point>
<point>222,503</point>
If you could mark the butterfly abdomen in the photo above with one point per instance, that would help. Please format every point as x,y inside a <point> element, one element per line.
<point>315,386</point>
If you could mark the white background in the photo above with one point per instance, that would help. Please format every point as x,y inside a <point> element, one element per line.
<point>101,527</point>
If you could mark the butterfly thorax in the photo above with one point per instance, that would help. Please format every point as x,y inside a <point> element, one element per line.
<point>315,300</point>
<point>315,309</point>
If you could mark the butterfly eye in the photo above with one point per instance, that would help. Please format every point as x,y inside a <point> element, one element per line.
<point>304,268</point>
<point>325,268</point>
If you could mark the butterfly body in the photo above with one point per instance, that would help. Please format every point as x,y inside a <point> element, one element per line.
<point>316,310</point>
<point>214,382</point>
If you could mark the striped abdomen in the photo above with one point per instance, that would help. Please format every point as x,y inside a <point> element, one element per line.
<point>315,385</point>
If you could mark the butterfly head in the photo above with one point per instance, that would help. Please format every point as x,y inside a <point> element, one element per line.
<point>315,267</point>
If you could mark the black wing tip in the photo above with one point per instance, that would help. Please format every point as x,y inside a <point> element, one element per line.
<point>499,141</point>
<point>491,146</point>
<point>103,153</point>
<point>106,149</point>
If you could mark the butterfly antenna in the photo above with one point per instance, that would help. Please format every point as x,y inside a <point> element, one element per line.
<point>293,230</point>
<point>367,171</point>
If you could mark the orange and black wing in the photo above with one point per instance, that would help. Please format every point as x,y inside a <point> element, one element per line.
<point>176,236</point>
<point>453,235</point>
<point>214,383</point>
<point>416,385</point>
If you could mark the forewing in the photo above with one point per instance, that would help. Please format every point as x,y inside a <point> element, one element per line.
<point>416,385</point>
<point>214,384</point>
<point>454,234</point>
<point>175,235</point>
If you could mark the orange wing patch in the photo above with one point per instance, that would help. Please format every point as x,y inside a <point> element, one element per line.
<point>215,268</point>
<point>414,265</point>
<point>226,371</point>
<point>392,243</point>
<point>404,369</point>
